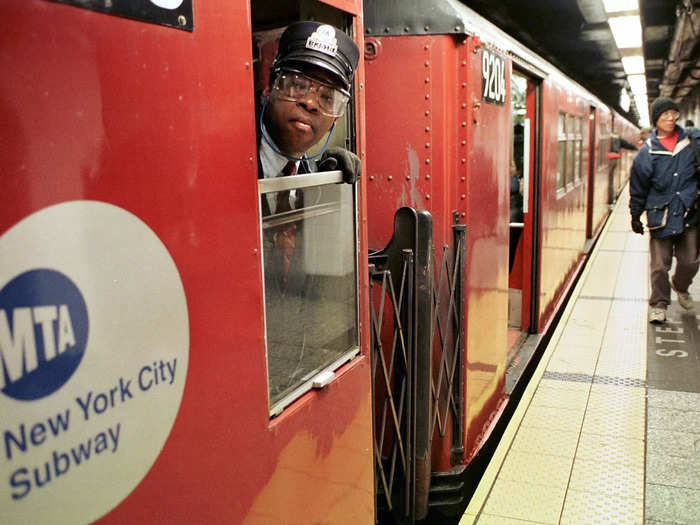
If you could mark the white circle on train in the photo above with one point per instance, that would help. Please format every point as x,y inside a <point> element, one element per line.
<point>167,4</point>
<point>94,347</point>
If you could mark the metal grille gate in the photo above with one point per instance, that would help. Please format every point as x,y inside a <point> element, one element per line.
<point>414,323</point>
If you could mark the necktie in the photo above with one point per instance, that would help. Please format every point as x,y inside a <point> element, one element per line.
<point>285,238</point>
<point>283,196</point>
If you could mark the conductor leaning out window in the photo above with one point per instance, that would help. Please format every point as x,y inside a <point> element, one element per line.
<point>309,89</point>
<point>663,185</point>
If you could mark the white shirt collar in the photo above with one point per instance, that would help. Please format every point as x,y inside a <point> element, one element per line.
<point>271,161</point>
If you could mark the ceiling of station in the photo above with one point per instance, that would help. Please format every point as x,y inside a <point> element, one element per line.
<point>575,36</point>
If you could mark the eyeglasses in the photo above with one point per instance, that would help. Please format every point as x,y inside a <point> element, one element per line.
<point>670,115</point>
<point>294,86</point>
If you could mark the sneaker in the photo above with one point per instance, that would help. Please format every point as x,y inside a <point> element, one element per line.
<point>657,315</point>
<point>684,298</point>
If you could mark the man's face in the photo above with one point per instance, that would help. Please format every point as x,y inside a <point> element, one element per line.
<point>296,126</point>
<point>667,122</point>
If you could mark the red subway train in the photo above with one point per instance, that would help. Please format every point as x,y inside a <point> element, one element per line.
<point>150,373</point>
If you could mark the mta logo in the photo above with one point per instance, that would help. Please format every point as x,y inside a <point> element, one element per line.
<point>43,333</point>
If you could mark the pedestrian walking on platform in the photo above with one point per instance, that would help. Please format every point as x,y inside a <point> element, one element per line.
<point>663,185</point>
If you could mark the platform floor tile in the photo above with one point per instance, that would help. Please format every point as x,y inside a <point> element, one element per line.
<point>619,411</point>
<point>582,508</point>
<point>487,519</point>
<point>554,418</point>
<point>673,443</point>
<point>624,480</point>
<point>527,501</point>
<point>572,399</point>
<point>673,471</point>
<point>672,504</point>
<point>614,241</point>
<point>676,420</point>
<point>689,401</point>
<point>621,369</point>
<point>613,449</point>
<point>562,384</point>
<point>542,469</point>
<point>569,362</point>
<point>555,442</point>
<point>605,267</point>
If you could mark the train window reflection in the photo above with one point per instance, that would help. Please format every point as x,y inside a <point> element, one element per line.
<point>310,287</point>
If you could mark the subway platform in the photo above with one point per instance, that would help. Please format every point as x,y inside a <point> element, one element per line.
<point>608,430</point>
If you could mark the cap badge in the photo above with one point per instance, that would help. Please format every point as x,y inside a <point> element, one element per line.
<point>323,40</point>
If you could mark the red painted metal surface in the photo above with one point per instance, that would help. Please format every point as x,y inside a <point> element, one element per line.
<point>488,215</point>
<point>160,122</point>
<point>442,154</point>
<point>601,184</point>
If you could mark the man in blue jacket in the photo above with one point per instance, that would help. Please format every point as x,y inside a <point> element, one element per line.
<point>663,184</point>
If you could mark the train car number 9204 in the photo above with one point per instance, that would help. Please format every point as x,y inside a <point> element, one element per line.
<point>493,77</point>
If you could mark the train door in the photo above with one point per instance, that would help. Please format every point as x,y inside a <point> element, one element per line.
<point>318,385</point>
<point>523,205</point>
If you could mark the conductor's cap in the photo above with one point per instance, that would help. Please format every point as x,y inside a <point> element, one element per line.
<point>320,45</point>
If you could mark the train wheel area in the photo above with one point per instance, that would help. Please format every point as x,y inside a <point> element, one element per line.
<point>608,427</point>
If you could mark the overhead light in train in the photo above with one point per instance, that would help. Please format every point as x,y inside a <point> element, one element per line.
<point>626,30</point>
<point>634,65</point>
<point>638,83</point>
<point>616,6</point>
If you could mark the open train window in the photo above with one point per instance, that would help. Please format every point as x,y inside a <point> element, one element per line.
<point>309,245</point>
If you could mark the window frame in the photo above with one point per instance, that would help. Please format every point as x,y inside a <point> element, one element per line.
<point>326,374</point>
<point>561,159</point>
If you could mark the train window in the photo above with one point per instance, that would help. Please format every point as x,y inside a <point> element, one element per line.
<point>561,152</point>
<point>310,283</point>
<point>579,146</point>
<point>309,240</point>
<point>571,140</point>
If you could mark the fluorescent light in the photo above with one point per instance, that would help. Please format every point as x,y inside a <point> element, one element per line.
<point>614,6</point>
<point>624,100</point>
<point>638,84</point>
<point>626,30</point>
<point>633,65</point>
<point>642,104</point>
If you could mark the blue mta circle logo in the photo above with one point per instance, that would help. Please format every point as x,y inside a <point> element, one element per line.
<point>43,333</point>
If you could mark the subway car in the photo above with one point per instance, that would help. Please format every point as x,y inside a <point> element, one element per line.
<point>149,371</point>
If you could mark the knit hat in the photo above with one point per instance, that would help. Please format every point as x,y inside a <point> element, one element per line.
<point>659,106</point>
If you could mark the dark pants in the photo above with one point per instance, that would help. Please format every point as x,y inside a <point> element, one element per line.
<point>684,247</point>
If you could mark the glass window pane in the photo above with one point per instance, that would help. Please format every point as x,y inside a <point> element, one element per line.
<point>579,147</point>
<point>562,126</point>
<point>561,151</point>
<point>571,139</point>
<point>310,285</point>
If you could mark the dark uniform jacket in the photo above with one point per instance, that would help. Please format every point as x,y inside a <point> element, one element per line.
<point>664,185</point>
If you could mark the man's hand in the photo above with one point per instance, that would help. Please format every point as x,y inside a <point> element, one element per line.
<point>637,226</point>
<point>336,158</point>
